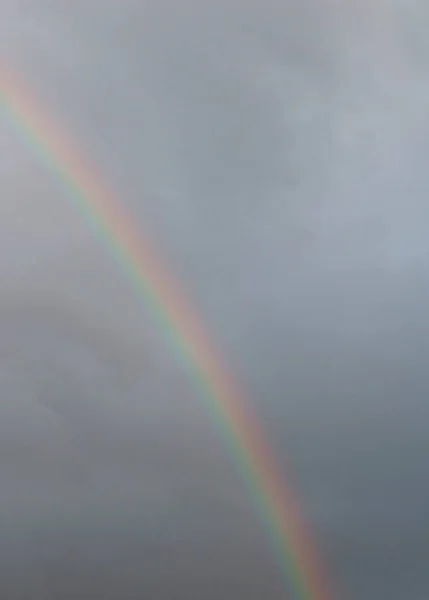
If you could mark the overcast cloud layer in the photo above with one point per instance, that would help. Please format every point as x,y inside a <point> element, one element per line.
<point>277,154</point>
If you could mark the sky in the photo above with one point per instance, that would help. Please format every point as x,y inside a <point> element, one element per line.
<point>276,153</point>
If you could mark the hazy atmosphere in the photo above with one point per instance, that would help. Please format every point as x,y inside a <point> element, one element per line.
<point>276,153</point>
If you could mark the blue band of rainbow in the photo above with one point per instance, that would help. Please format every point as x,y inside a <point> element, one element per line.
<point>292,544</point>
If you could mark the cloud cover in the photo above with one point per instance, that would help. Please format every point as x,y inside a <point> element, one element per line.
<point>277,153</point>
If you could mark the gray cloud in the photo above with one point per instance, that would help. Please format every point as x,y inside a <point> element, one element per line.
<point>277,155</point>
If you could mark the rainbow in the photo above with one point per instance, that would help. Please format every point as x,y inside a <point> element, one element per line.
<point>292,545</point>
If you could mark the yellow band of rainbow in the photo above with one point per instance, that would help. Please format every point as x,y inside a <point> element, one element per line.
<point>293,548</point>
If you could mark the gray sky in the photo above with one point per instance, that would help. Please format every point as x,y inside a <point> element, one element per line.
<point>276,153</point>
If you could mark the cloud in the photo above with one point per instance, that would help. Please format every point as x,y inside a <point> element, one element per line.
<point>277,155</point>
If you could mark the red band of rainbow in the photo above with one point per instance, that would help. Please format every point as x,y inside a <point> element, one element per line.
<point>293,547</point>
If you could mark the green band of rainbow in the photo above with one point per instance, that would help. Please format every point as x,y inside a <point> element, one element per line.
<point>293,548</point>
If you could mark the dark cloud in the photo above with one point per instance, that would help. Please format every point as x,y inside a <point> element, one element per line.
<point>276,152</point>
